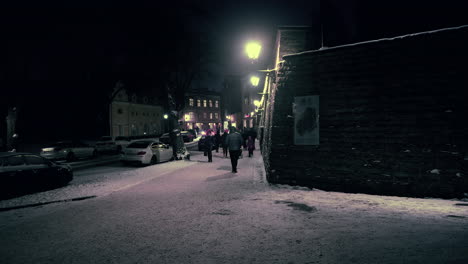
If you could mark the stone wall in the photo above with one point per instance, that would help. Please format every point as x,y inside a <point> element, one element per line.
<point>392,117</point>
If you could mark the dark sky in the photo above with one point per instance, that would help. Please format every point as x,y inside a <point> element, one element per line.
<point>86,40</point>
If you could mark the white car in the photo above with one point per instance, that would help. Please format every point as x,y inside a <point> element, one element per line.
<point>68,150</point>
<point>146,152</point>
<point>106,144</point>
<point>121,142</point>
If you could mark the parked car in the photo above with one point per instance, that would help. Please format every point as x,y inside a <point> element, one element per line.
<point>145,136</point>
<point>106,144</point>
<point>165,138</point>
<point>146,152</point>
<point>69,151</point>
<point>121,142</point>
<point>22,173</point>
<point>193,132</point>
<point>187,136</point>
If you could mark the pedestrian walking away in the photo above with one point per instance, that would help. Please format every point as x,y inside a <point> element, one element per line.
<point>209,145</point>
<point>251,145</point>
<point>224,143</point>
<point>234,142</point>
<point>218,142</point>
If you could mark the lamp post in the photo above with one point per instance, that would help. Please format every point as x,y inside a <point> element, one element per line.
<point>254,80</point>
<point>253,50</point>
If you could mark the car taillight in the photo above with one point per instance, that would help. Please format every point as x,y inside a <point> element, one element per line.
<point>141,153</point>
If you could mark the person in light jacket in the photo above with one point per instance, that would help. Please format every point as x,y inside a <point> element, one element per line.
<point>234,142</point>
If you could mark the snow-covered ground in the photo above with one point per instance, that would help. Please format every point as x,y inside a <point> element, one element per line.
<point>200,212</point>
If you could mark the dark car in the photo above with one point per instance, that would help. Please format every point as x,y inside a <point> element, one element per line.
<point>193,132</point>
<point>187,136</point>
<point>165,138</point>
<point>23,173</point>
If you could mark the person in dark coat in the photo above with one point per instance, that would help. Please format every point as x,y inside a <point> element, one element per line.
<point>217,142</point>
<point>250,145</point>
<point>224,143</point>
<point>234,142</point>
<point>209,144</point>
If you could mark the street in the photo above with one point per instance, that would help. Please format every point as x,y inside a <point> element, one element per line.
<point>199,212</point>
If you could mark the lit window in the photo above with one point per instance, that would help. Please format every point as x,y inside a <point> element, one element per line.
<point>191,101</point>
<point>198,103</point>
<point>204,103</point>
<point>216,116</point>
<point>211,115</point>
<point>211,103</point>
<point>216,104</point>
<point>190,116</point>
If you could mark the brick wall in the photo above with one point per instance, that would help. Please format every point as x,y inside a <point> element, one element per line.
<point>393,117</point>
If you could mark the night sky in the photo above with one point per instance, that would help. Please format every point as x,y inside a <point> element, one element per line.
<point>60,61</point>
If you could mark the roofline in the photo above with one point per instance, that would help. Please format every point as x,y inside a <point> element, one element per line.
<point>376,41</point>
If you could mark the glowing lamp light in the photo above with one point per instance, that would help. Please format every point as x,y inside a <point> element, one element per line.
<point>257,103</point>
<point>187,117</point>
<point>165,116</point>
<point>253,50</point>
<point>203,133</point>
<point>254,80</point>
<point>251,113</point>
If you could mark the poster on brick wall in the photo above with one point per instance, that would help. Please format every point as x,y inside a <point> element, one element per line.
<point>306,120</point>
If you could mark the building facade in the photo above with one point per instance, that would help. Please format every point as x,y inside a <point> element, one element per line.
<point>135,115</point>
<point>202,110</point>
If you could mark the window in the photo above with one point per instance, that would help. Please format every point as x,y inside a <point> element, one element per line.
<point>198,103</point>
<point>13,161</point>
<point>191,101</point>
<point>192,115</point>
<point>210,103</point>
<point>204,103</point>
<point>34,160</point>
<point>216,116</point>
<point>204,115</point>
<point>216,104</point>
<point>211,115</point>
<point>246,100</point>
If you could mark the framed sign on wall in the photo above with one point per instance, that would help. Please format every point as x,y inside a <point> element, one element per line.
<point>306,120</point>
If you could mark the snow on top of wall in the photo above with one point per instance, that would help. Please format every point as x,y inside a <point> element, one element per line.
<point>377,41</point>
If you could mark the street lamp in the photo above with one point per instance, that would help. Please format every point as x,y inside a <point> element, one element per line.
<point>253,50</point>
<point>254,80</point>
<point>166,116</point>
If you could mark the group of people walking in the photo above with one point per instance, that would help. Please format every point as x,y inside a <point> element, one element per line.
<point>231,143</point>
